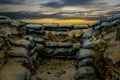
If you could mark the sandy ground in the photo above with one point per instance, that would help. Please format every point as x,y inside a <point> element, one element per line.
<point>56,70</point>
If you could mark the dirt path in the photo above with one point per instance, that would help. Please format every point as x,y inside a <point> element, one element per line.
<point>56,70</point>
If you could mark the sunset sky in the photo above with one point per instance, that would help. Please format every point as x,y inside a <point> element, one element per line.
<point>59,11</point>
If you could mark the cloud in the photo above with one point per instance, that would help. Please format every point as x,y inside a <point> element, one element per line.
<point>12,1</point>
<point>67,3</point>
<point>39,15</point>
<point>113,12</point>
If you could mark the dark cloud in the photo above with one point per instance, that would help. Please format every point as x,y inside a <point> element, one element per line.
<point>12,1</point>
<point>113,12</point>
<point>67,3</point>
<point>38,15</point>
<point>117,5</point>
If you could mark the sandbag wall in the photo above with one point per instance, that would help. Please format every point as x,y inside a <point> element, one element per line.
<point>57,45</point>
<point>86,55</point>
<point>20,56</point>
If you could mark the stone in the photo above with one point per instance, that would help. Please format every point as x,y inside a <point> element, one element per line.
<point>28,37</point>
<point>59,74</point>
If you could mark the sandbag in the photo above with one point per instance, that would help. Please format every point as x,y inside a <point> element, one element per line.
<point>50,26</point>
<point>39,32</point>
<point>60,52</point>
<point>34,26</point>
<point>84,62</point>
<point>65,27</point>
<point>87,44</point>
<point>18,52</point>
<point>87,35</point>
<point>84,53</point>
<point>74,49</point>
<point>86,73</point>
<point>52,45</point>
<point>65,45</point>
<point>21,43</point>
<point>80,26</point>
<point>39,40</point>
<point>61,33</point>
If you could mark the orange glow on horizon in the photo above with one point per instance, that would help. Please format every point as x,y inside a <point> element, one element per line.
<point>59,21</point>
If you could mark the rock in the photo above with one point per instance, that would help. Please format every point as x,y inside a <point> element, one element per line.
<point>29,37</point>
<point>18,52</point>
<point>34,26</point>
<point>80,26</point>
<point>84,53</point>
<point>65,45</point>
<point>59,74</point>
<point>84,62</point>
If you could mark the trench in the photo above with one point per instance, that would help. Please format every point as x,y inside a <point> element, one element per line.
<point>48,53</point>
